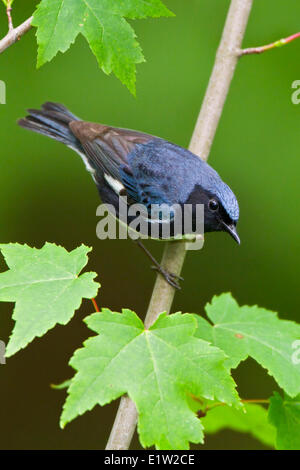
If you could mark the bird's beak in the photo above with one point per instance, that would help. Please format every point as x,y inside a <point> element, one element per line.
<point>231,229</point>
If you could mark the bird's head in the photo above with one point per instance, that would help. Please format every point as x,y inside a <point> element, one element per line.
<point>221,215</point>
<point>221,210</point>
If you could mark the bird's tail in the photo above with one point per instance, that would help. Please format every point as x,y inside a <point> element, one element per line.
<point>53,120</point>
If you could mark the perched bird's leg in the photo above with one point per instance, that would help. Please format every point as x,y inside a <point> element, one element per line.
<point>169,277</point>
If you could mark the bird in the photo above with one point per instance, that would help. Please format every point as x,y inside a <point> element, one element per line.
<point>146,169</point>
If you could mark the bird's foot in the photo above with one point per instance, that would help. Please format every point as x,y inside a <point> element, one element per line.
<point>171,278</point>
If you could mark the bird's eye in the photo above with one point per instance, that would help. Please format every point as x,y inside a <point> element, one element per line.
<point>213,205</point>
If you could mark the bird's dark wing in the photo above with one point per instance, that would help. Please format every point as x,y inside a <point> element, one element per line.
<point>140,191</point>
<point>107,149</point>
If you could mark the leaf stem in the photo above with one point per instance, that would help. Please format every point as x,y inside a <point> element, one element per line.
<point>243,400</point>
<point>251,400</point>
<point>256,400</point>
<point>8,12</point>
<point>202,412</point>
<point>267,47</point>
<point>95,305</point>
<point>202,138</point>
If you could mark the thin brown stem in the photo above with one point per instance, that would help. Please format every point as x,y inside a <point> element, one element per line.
<point>95,305</point>
<point>15,34</point>
<point>267,47</point>
<point>203,411</point>
<point>204,132</point>
<point>256,400</point>
<point>247,400</point>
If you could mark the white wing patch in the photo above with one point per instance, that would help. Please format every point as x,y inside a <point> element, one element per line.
<point>113,183</point>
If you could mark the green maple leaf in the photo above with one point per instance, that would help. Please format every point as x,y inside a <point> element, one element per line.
<point>158,368</point>
<point>284,414</point>
<point>252,419</point>
<point>103,24</point>
<point>46,286</point>
<point>253,331</point>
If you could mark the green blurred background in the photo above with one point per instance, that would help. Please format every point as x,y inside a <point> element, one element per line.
<point>46,194</point>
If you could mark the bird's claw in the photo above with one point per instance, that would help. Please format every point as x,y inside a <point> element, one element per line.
<point>169,277</point>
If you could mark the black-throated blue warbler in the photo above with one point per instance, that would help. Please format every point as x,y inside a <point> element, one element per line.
<point>147,169</point>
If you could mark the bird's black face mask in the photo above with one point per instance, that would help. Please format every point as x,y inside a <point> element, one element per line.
<point>216,218</point>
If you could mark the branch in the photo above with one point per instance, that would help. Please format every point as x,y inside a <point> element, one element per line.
<point>204,132</point>
<point>15,34</point>
<point>279,43</point>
